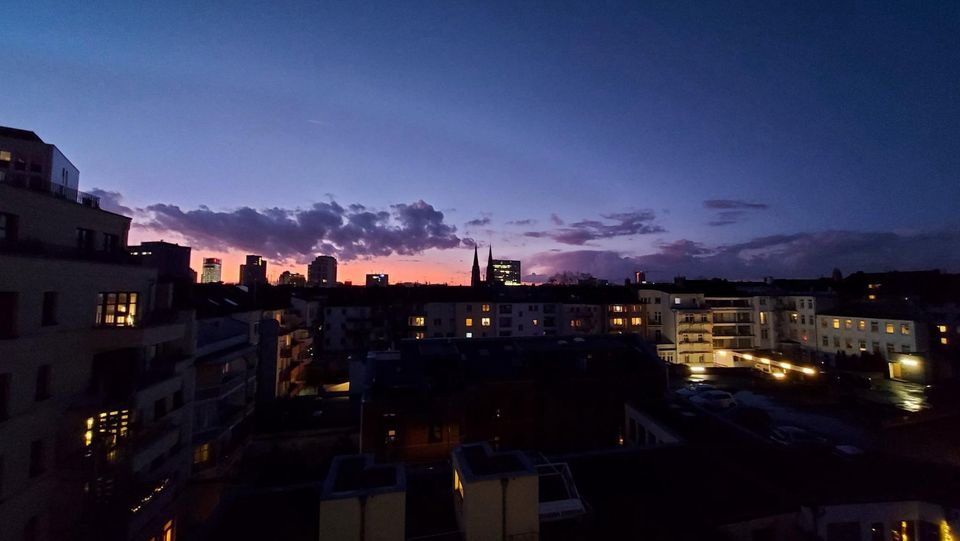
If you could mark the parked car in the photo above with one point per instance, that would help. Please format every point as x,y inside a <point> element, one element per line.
<point>794,436</point>
<point>695,389</point>
<point>714,399</point>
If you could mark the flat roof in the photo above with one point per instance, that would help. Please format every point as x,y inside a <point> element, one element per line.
<point>478,461</point>
<point>355,475</point>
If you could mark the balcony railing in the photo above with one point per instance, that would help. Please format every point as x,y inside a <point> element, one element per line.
<point>53,190</point>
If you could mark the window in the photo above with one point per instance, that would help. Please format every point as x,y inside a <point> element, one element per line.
<point>159,409</point>
<point>85,239</point>
<point>178,399</point>
<point>763,301</point>
<point>944,341</point>
<point>618,308</point>
<point>656,300</point>
<point>469,308</point>
<point>111,243</point>
<point>848,324</point>
<point>848,343</point>
<point>823,323</point>
<point>676,300</point>
<point>49,315</point>
<point>826,341</point>
<point>469,322</point>
<point>391,436</point>
<point>874,326</point>
<point>5,156</point>
<point>36,458</point>
<point>890,349</point>
<point>889,328</point>
<point>617,322</point>
<point>20,164</point>
<point>506,321</point>
<point>484,307</point>
<point>4,396</point>
<point>635,321</point>
<point>416,321</point>
<point>861,325</point>
<point>435,432</point>
<point>549,321</point>
<point>8,227</point>
<point>419,335</point>
<point>535,322</point>
<point>794,317</point>
<point>43,383</point>
<point>201,454</point>
<point>836,341</point>
<point>484,322</point>
<point>905,348</point>
<point>863,345</point>
<point>875,347</point>
<point>763,318</point>
<point>836,323</point>
<point>8,314</point>
<point>469,335</point>
<point>437,321</point>
<point>506,308</point>
<point>764,334</point>
<point>116,309</point>
<point>904,329</point>
<point>169,532</point>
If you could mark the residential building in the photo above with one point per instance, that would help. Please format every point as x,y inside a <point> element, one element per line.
<point>322,272</point>
<point>212,270</point>
<point>254,271</point>
<point>288,278</point>
<point>94,370</point>
<point>172,261</point>
<point>902,338</point>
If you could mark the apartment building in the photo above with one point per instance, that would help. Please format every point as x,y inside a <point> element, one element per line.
<point>95,376</point>
<point>901,339</point>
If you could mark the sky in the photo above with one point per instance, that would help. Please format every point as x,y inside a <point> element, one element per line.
<point>731,139</point>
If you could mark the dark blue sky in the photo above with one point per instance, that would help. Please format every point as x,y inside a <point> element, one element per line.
<point>736,134</point>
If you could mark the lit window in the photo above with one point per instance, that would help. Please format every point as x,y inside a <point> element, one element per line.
<point>419,335</point>
<point>469,322</point>
<point>763,318</point>
<point>485,308</point>
<point>485,321</point>
<point>942,328</point>
<point>861,325</point>
<point>618,308</point>
<point>676,300</point>
<point>469,335</point>
<point>416,321</point>
<point>943,340</point>
<point>5,156</point>
<point>457,484</point>
<point>904,329</point>
<point>635,321</point>
<point>889,328</point>
<point>536,322</point>
<point>116,309</point>
<point>794,317</point>
<point>848,324</point>
<point>836,323</point>
<point>576,323</point>
<point>617,322</point>
<point>168,531</point>
<point>872,297</point>
<point>201,454</point>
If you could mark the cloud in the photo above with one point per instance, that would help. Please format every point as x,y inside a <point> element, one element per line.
<point>478,222</point>
<point>795,255</point>
<point>110,201</point>
<point>623,224</point>
<point>556,219</point>
<point>522,222</point>
<point>350,232</point>
<point>731,211</point>
<point>723,204</point>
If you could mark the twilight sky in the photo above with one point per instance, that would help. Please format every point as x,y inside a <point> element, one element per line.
<point>698,138</point>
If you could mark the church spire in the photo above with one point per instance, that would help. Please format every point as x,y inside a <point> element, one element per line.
<point>490,266</point>
<point>475,271</point>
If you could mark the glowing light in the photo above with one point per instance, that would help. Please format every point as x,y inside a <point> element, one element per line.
<point>809,371</point>
<point>748,357</point>
<point>698,369</point>
<point>765,361</point>
<point>779,375</point>
<point>787,366</point>
<point>909,362</point>
<point>722,353</point>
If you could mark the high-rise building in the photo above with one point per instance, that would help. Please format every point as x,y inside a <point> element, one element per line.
<point>322,272</point>
<point>254,271</point>
<point>212,269</point>
<point>499,271</point>
<point>26,161</point>
<point>288,278</point>
<point>378,280</point>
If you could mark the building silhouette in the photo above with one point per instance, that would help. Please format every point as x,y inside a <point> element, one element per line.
<point>212,269</point>
<point>322,272</point>
<point>254,271</point>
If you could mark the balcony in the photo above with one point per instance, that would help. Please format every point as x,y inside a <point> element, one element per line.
<point>148,333</point>
<point>42,186</point>
<point>152,443</point>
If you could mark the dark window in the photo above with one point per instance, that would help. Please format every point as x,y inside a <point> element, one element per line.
<point>506,308</point>
<point>520,328</point>
<point>506,321</point>
<point>550,321</point>
<point>437,321</point>
<point>20,165</point>
<point>8,227</point>
<point>43,382</point>
<point>159,409</point>
<point>49,316</point>
<point>111,243</point>
<point>927,531</point>
<point>8,314</point>
<point>4,396</point>
<point>85,239</point>
<point>178,399</point>
<point>469,308</point>
<point>549,308</point>
<point>36,458</point>
<point>31,529</point>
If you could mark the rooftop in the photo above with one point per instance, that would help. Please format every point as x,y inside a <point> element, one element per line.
<point>479,461</point>
<point>355,475</point>
<point>23,135</point>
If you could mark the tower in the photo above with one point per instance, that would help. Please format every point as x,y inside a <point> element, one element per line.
<point>475,271</point>
<point>490,266</point>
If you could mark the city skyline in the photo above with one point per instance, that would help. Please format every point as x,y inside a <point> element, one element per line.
<point>675,139</point>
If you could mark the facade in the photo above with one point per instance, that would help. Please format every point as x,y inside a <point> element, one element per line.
<point>94,378</point>
<point>212,270</point>
<point>506,272</point>
<point>28,162</point>
<point>288,278</point>
<point>322,272</point>
<point>254,271</point>
<point>172,261</point>
<point>900,341</point>
<point>378,280</point>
